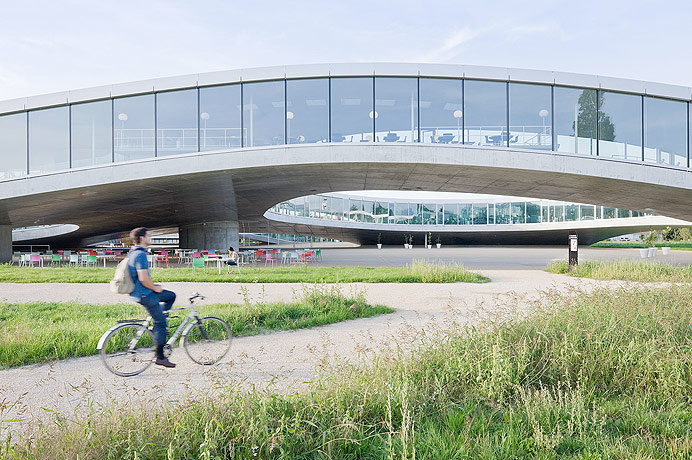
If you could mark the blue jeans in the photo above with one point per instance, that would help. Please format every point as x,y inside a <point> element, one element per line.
<point>153,303</point>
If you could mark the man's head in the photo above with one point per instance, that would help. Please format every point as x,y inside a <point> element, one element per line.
<point>140,236</point>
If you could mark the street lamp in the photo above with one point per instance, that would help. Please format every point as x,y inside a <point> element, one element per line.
<point>458,114</point>
<point>123,118</point>
<point>289,117</point>
<point>204,116</point>
<point>542,113</point>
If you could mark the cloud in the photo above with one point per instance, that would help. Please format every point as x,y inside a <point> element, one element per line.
<point>448,49</point>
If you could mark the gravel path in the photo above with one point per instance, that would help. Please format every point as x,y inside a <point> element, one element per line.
<point>281,360</point>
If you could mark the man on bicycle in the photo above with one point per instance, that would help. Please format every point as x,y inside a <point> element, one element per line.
<point>152,296</point>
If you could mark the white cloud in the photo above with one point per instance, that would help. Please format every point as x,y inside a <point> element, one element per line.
<point>448,49</point>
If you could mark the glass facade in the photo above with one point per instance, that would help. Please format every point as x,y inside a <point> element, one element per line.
<point>620,126</point>
<point>307,112</point>
<point>396,109</point>
<point>370,210</point>
<point>350,109</point>
<point>575,120</point>
<point>49,140</point>
<point>263,113</point>
<point>176,122</point>
<point>485,112</point>
<point>530,116</point>
<point>665,132</point>
<point>219,117</point>
<point>133,127</point>
<point>13,146</point>
<point>91,133</point>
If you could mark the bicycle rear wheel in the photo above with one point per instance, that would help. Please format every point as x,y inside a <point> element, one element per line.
<point>128,350</point>
<point>208,340</point>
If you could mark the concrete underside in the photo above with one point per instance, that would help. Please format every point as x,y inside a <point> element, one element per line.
<point>210,235</point>
<point>239,186</point>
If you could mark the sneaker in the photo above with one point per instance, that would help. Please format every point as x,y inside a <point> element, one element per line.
<point>164,362</point>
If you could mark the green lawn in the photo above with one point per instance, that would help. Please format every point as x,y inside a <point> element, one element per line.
<point>45,331</point>
<point>627,270</point>
<point>583,376</point>
<point>418,272</point>
<point>677,245</point>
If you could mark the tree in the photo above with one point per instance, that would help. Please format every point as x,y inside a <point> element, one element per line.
<point>685,234</point>
<point>586,118</point>
<point>671,234</point>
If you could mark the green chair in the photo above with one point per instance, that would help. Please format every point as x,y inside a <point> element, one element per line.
<point>91,260</point>
<point>318,254</point>
<point>197,262</point>
<point>55,258</point>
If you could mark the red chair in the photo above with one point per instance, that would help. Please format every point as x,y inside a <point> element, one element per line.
<point>163,257</point>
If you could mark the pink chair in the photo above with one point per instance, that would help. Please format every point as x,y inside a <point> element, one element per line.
<point>163,257</point>
<point>270,259</point>
<point>35,258</point>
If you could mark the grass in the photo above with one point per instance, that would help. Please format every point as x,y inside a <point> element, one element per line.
<point>46,331</point>
<point>627,270</point>
<point>681,245</point>
<point>600,375</point>
<point>417,272</point>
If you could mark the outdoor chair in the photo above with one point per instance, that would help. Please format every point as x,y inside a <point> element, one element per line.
<point>55,259</point>
<point>269,259</point>
<point>197,262</point>
<point>318,255</point>
<point>284,257</point>
<point>73,259</point>
<point>91,260</point>
<point>17,256</point>
<point>35,259</point>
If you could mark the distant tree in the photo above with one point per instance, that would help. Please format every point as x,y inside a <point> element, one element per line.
<point>671,234</point>
<point>586,118</point>
<point>685,234</point>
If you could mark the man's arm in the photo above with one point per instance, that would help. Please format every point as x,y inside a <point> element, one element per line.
<point>144,278</point>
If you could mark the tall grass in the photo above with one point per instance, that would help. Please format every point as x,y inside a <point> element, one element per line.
<point>45,331</point>
<point>418,272</point>
<point>600,375</point>
<point>627,270</point>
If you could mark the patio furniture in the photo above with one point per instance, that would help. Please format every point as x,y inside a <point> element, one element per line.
<point>35,259</point>
<point>269,259</point>
<point>73,259</point>
<point>197,262</point>
<point>55,258</point>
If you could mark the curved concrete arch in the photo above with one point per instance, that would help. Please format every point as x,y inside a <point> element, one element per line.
<point>239,185</point>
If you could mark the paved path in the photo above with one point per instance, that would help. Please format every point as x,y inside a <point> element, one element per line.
<point>285,360</point>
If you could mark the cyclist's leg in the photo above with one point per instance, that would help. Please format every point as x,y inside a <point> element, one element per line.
<point>167,298</point>
<point>151,303</point>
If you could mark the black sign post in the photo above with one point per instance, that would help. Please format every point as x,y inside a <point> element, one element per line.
<point>573,251</point>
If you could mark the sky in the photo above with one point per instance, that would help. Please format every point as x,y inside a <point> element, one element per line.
<point>49,46</point>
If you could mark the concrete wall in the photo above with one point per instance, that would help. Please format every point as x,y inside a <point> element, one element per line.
<point>5,243</point>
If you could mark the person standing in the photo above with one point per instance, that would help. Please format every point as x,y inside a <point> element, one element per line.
<point>151,296</point>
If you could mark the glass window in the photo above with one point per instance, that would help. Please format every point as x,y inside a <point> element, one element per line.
<point>529,116</point>
<point>401,213</point>
<point>533,212</point>
<point>49,140</point>
<point>12,145</point>
<point>586,212</point>
<point>441,110</point>
<point>518,213</point>
<point>451,214</point>
<point>620,126</point>
<point>557,213</point>
<point>396,109</point>
<point>491,214</point>
<point>356,209</point>
<point>485,112</point>
<point>352,111</point>
<point>368,211</point>
<point>624,213</point>
<point>219,113</point>
<point>575,120</point>
<point>571,212</point>
<point>307,115</point>
<point>133,128</point>
<point>416,213</point>
<point>480,214</point>
<point>263,113</point>
<point>176,122</point>
<point>381,212</point>
<point>666,132</point>
<point>92,133</point>
<point>545,213</point>
<point>429,214</point>
<point>440,214</point>
<point>314,206</point>
<point>502,213</point>
<point>609,213</point>
<point>465,214</point>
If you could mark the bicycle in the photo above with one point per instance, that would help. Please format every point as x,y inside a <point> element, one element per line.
<point>128,348</point>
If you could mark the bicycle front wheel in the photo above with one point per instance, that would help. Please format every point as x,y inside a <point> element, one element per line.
<point>128,350</point>
<point>208,340</point>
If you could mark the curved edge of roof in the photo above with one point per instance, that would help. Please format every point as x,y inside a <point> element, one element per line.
<point>348,70</point>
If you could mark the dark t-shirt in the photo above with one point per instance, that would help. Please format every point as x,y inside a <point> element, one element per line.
<point>138,261</point>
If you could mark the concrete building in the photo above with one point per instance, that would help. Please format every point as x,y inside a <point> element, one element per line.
<point>210,153</point>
